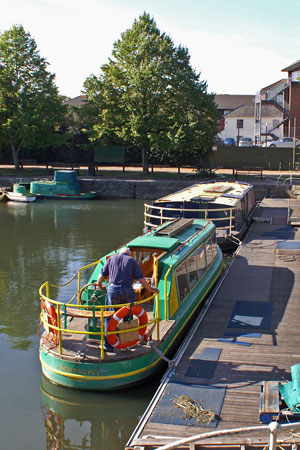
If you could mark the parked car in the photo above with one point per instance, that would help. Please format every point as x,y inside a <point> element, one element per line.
<point>229,141</point>
<point>245,142</point>
<point>284,142</point>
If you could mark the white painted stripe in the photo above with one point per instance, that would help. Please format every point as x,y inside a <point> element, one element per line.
<point>117,343</point>
<point>116,318</point>
<point>141,313</point>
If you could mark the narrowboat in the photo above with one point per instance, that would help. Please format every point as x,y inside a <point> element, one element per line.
<point>182,259</point>
<point>65,185</point>
<point>229,204</point>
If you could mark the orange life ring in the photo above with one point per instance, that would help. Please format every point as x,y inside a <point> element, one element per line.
<point>113,339</point>
<point>50,312</point>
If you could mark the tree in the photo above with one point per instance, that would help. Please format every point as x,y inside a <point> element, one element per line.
<point>30,107</point>
<point>148,96</point>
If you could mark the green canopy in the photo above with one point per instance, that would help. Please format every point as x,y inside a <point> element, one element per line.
<point>151,241</point>
<point>291,391</point>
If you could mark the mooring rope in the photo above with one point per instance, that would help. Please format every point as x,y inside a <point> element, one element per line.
<point>65,284</point>
<point>171,363</point>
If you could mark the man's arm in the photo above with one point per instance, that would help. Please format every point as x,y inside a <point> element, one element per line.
<point>99,282</point>
<point>147,286</point>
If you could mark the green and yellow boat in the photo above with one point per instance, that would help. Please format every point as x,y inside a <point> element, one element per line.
<point>182,259</point>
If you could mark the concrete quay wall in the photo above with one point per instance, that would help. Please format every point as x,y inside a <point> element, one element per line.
<point>153,189</point>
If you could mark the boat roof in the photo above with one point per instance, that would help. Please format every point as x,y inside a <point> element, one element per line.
<point>171,234</point>
<point>213,192</point>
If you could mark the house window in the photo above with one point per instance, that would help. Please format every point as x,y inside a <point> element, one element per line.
<point>240,123</point>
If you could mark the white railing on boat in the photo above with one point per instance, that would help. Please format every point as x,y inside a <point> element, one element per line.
<point>63,309</point>
<point>157,213</point>
<point>274,429</point>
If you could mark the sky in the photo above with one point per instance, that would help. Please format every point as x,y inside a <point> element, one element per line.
<point>238,46</point>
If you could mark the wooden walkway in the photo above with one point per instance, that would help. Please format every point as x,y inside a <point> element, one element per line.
<point>242,349</point>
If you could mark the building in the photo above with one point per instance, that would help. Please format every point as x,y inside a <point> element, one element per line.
<point>237,116</point>
<point>291,98</point>
<point>227,103</point>
<point>241,121</point>
<point>285,95</point>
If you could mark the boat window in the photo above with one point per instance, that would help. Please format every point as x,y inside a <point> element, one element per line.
<point>182,280</point>
<point>201,261</point>
<point>214,244</point>
<point>211,250</point>
<point>191,265</point>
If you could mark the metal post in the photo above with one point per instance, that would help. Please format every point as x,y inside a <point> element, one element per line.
<point>294,143</point>
<point>59,329</point>
<point>79,287</point>
<point>274,428</point>
<point>102,333</point>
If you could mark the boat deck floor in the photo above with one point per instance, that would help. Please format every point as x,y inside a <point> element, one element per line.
<point>83,347</point>
<point>241,349</point>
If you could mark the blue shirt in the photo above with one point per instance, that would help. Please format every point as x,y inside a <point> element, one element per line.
<point>122,269</point>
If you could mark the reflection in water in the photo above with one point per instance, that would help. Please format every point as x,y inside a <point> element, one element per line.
<point>51,240</point>
<point>90,420</point>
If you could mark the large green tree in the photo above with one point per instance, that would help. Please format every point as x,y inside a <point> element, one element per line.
<point>149,96</point>
<point>30,107</point>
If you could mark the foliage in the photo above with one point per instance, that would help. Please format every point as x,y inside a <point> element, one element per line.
<point>30,108</point>
<point>149,97</point>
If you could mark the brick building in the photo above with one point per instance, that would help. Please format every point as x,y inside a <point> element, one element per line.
<point>291,96</point>
<point>285,95</point>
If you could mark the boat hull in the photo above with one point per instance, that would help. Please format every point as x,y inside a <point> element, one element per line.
<point>81,196</point>
<point>113,375</point>
<point>16,197</point>
<point>98,376</point>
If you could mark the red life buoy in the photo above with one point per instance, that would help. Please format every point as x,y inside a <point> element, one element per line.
<point>138,311</point>
<point>51,315</point>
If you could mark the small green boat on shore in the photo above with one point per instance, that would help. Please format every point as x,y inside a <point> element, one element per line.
<point>182,259</point>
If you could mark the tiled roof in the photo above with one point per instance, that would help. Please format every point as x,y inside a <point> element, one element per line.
<point>76,101</point>
<point>268,110</point>
<point>271,86</point>
<point>292,67</point>
<point>228,101</point>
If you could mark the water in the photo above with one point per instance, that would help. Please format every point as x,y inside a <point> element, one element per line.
<point>48,241</point>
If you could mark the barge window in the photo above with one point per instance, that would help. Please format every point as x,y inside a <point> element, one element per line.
<point>182,280</point>
<point>214,244</point>
<point>191,265</point>
<point>211,250</point>
<point>201,262</point>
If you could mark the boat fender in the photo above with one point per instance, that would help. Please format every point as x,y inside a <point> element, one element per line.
<point>113,339</point>
<point>50,317</point>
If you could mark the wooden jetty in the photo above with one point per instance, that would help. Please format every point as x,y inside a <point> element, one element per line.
<point>240,349</point>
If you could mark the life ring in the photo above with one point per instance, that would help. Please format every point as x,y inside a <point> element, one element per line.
<point>113,339</point>
<point>48,310</point>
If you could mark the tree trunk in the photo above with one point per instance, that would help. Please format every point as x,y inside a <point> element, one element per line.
<point>145,160</point>
<point>15,154</point>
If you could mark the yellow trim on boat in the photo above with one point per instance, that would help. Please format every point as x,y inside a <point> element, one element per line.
<point>123,375</point>
<point>89,378</point>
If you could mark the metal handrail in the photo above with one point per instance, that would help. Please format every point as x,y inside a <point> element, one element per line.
<point>61,307</point>
<point>273,427</point>
<point>205,211</point>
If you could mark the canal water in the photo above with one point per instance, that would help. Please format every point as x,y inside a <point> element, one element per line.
<point>48,241</point>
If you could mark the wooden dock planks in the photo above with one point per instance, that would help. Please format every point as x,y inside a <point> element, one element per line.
<point>249,355</point>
